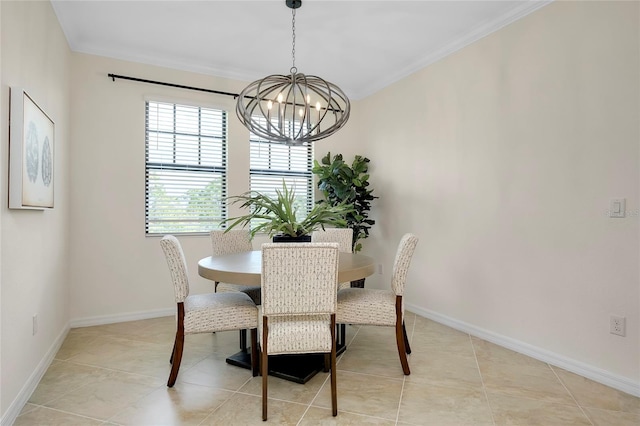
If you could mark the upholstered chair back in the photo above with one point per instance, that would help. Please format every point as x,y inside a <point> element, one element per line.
<point>342,236</point>
<point>177,266</point>
<point>401,264</point>
<point>299,278</point>
<point>230,242</point>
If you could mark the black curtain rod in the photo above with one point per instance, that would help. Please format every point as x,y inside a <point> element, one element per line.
<point>179,86</point>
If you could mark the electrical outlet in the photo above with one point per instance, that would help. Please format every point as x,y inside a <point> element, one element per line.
<point>35,324</point>
<point>617,325</point>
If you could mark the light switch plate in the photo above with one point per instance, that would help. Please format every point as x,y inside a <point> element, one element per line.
<point>617,208</point>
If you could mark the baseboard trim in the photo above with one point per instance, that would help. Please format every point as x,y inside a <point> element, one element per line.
<point>596,374</point>
<point>129,316</point>
<point>23,396</point>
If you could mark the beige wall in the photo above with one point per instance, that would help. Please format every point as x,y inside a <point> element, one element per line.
<point>33,244</point>
<point>117,270</point>
<point>503,158</point>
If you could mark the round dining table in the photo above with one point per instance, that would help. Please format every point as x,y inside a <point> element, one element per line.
<point>245,269</point>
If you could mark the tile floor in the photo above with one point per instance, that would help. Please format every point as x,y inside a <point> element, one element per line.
<point>116,375</point>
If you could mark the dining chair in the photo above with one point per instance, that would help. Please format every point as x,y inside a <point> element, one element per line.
<point>299,291</point>
<point>361,306</point>
<point>205,313</point>
<point>342,236</point>
<point>230,242</point>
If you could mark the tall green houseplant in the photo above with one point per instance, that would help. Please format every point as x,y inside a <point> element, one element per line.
<point>279,214</point>
<point>343,183</point>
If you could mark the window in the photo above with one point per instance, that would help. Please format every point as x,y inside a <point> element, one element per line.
<point>271,163</point>
<point>186,168</point>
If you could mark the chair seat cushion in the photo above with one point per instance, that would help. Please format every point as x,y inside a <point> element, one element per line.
<point>366,307</point>
<point>254,292</point>
<point>204,313</point>
<point>313,334</point>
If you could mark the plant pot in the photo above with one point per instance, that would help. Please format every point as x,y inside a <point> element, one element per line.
<point>358,283</point>
<point>281,238</point>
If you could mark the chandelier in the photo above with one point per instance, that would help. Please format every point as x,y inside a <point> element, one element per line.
<point>295,108</point>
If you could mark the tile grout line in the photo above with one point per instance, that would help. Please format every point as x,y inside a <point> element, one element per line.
<point>404,378</point>
<point>484,389</point>
<point>237,391</point>
<point>65,412</point>
<point>570,393</point>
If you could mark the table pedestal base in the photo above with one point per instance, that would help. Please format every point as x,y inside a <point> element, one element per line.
<point>295,368</point>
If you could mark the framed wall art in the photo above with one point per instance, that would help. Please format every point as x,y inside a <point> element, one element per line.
<point>31,150</point>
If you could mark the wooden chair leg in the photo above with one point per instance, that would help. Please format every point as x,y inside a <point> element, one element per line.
<point>178,346</point>
<point>402,353</point>
<point>172,352</point>
<point>327,362</point>
<point>406,339</point>
<point>254,352</point>
<point>264,365</point>
<point>334,392</point>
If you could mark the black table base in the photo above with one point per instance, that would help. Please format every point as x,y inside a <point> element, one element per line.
<point>295,368</point>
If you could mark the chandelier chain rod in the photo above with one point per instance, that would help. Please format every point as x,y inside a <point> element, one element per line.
<point>293,40</point>
<point>279,108</point>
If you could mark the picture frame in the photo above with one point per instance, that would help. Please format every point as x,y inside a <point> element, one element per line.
<point>31,153</point>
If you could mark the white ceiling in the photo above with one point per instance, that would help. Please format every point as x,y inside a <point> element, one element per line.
<point>360,45</point>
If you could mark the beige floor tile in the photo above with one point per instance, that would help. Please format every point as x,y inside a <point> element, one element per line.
<point>372,361</point>
<point>379,336</point>
<point>424,404</point>
<point>136,357</point>
<point>351,331</point>
<point>27,408</point>
<point>105,398</point>
<point>242,409</point>
<point>184,404</point>
<point>527,382</point>
<point>73,344</point>
<point>46,416</point>
<point>487,351</point>
<point>595,395</point>
<point>510,410</point>
<point>213,371</point>
<point>323,416</point>
<point>444,369</point>
<point>117,373</point>
<point>363,394</point>
<point>508,372</point>
<point>606,418</point>
<point>286,390</point>
<point>62,377</point>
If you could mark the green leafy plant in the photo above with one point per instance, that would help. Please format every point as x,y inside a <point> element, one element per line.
<point>279,215</point>
<point>342,183</point>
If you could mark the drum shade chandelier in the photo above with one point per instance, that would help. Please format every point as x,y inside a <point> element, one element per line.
<point>295,108</point>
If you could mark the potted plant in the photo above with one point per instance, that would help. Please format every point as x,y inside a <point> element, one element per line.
<point>341,183</point>
<point>278,217</point>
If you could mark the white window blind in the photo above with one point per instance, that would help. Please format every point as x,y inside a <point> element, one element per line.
<point>271,163</point>
<point>186,168</point>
